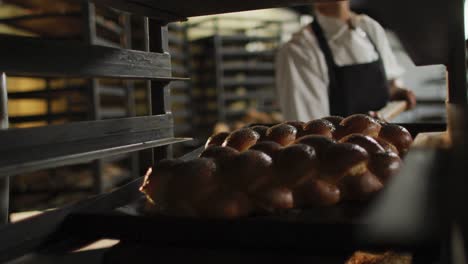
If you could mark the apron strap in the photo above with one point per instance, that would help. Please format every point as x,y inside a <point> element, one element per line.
<point>323,43</point>
<point>325,47</point>
<point>380,60</point>
<point>333,88</point>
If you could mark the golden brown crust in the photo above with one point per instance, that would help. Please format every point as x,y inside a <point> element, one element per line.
<point>155,183</point>
<point>221,155</point>
<point>319,143</point>
<point>191,182</point>
<point>365,258</point>
<point>387,146</point>
<point>261,130</point>
<point>268,147</point>
<point>335,120</point>
<point>282,134</point>
<point>359,187</point>
<point>217,139</point>
<point>398,136</point>
<point>386,258</point>
<point>316,193</point>
<point>296,164</point>
<point>385,165</point>
<point>249,171</point>
<point>343,159</point>
<point>242,139</point>
<point>299,125</point>
<point>366,142</point>
<point>360,124</point>
<point>320,127</point>
<point>282,171</point>
<point>340,132</point>
<point>273,198</point>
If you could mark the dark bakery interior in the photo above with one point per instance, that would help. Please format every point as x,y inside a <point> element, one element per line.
<point>143,131</point>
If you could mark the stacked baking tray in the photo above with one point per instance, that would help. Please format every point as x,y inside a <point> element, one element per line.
<point>31,149</point>
<point>180,91</point>
<point>75,99</point>
<point>234,71</point>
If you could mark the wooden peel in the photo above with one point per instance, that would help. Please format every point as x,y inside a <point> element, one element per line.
<point>392,110</point>
<point>432,140</point>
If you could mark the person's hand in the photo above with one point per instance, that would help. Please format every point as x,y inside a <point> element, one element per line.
<point>377,116</point>
<point>400,94</point>
<point>373,114</point>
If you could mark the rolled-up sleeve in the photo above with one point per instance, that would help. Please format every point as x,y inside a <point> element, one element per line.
<point>301,88</point>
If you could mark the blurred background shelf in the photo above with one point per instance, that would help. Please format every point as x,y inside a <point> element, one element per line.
<point>248,66</point>
<point>181,92</point>
<point>46,5</point>
<point>49,116</point>
<point>234,71</point>
<point>50,25</point>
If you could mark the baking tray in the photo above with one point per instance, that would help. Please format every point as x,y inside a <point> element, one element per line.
<point>341,228</point>
<point>329,231</point>
<point>285,230</point>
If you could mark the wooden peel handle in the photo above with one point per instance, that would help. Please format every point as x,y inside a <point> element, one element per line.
<point>392,110</point>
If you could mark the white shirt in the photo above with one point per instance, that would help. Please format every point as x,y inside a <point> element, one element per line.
<point>301,70</point>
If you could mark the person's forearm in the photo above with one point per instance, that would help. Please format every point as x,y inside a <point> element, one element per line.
<point>399,93</point>
<point>394,87</point>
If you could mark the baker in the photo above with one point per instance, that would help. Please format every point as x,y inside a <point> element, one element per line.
<point>340,64</point>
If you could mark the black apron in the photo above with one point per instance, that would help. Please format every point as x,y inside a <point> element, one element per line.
<point>357,88</point>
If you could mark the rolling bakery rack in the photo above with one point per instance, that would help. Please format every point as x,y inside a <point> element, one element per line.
<point>181,95</point>
<point>422,212</point>
<point>85,99</point>
<point>234,69</point>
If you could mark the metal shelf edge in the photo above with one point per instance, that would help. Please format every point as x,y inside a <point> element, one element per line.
<point>25,56</point>
<point>85,157</point>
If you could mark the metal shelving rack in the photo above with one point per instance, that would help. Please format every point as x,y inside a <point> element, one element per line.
<point>426,204</point>
<point>99,26</point>
<point>25,56</point>
<point>119,35</point>
<point>41,24</point>
<point>181,96</point>
<point>230,78</point>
